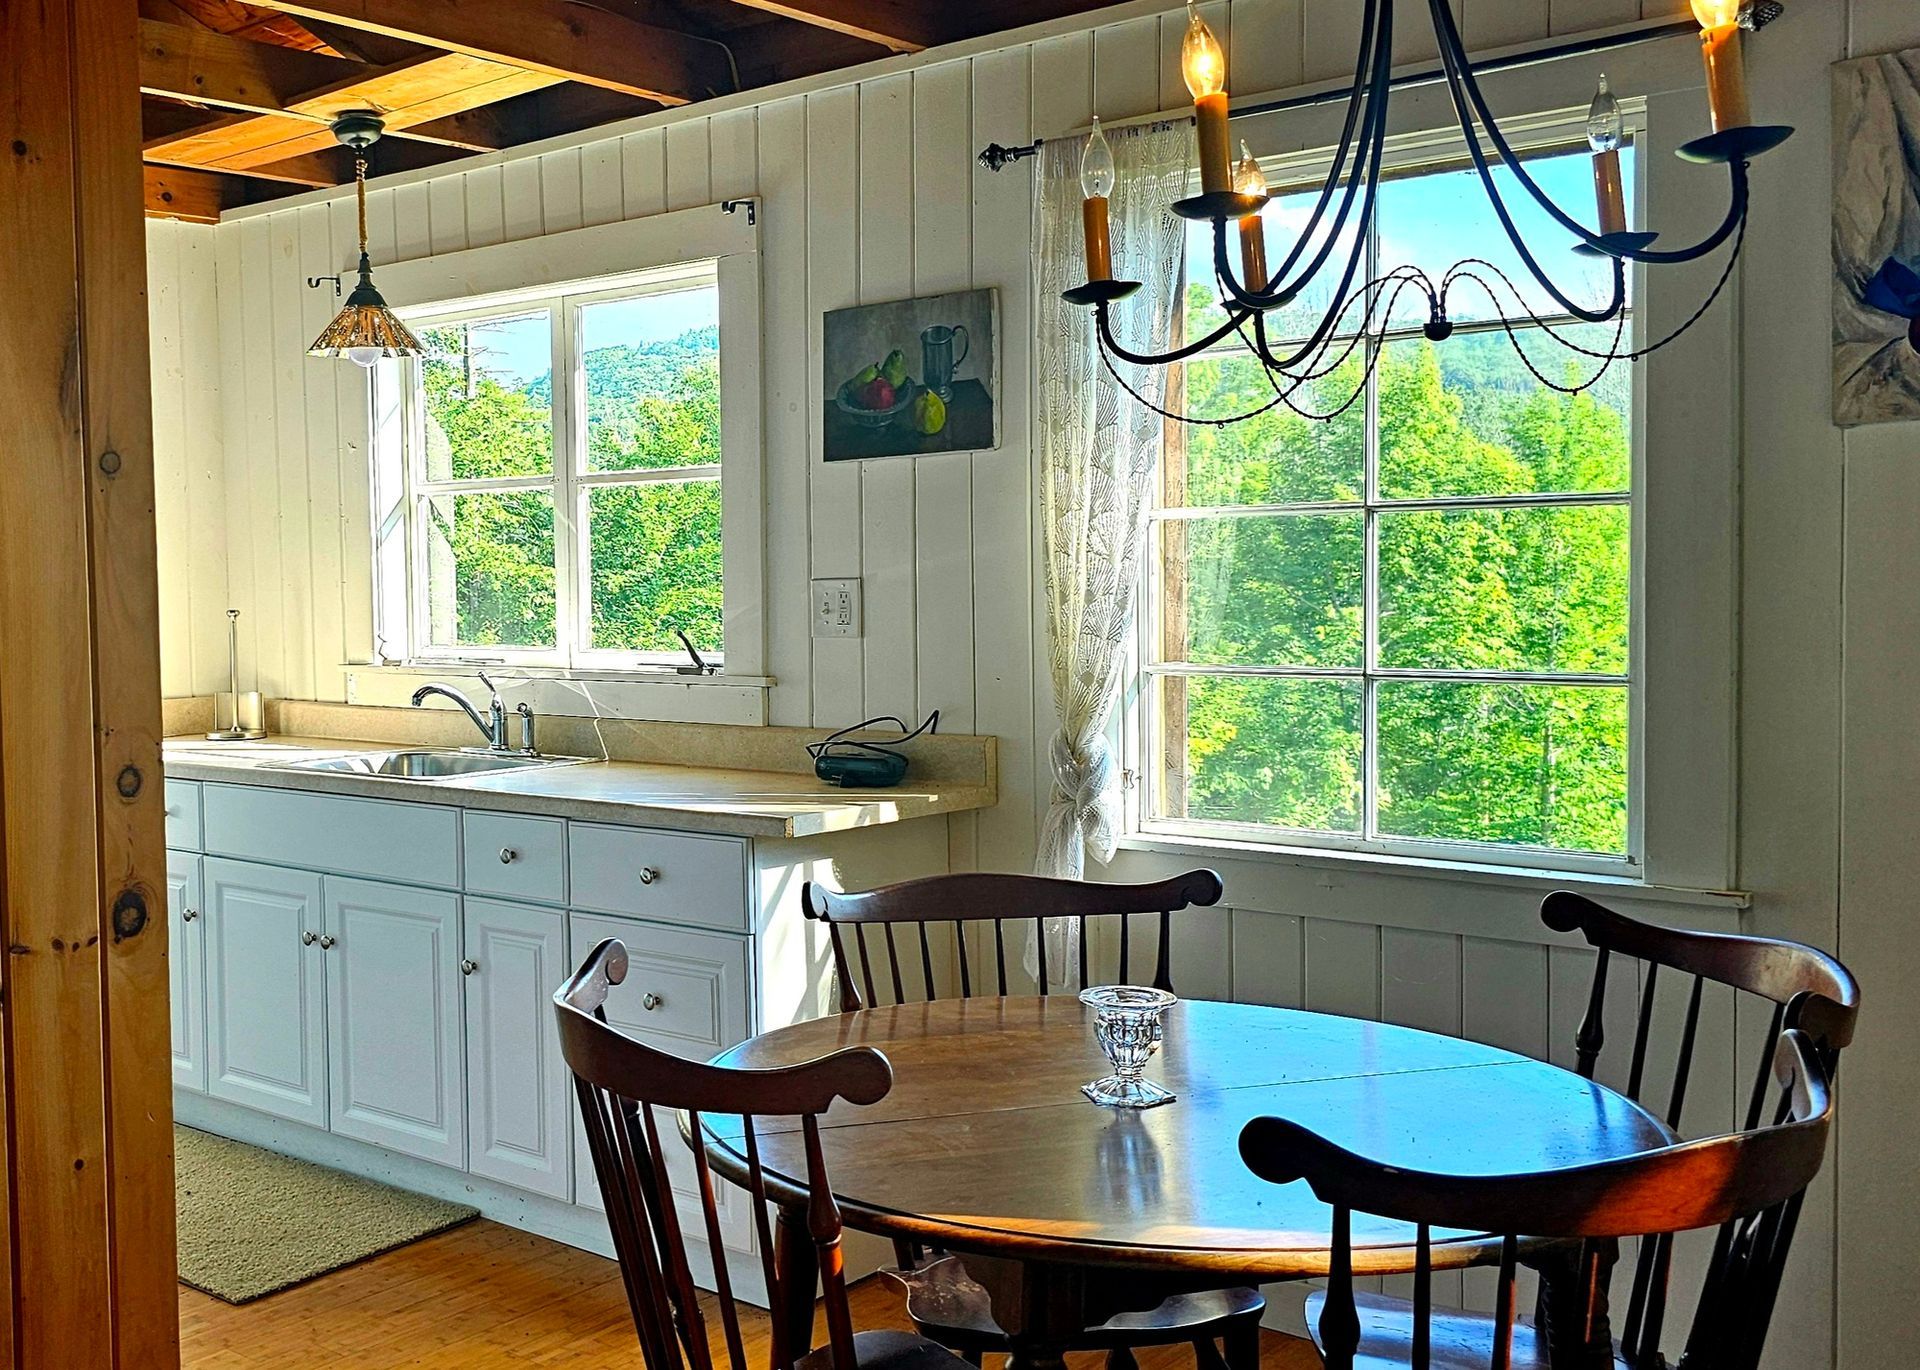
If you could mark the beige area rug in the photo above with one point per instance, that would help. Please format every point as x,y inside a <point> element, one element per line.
<point>253,1222</point>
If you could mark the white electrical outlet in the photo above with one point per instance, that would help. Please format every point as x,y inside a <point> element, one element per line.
<point>836,608</point>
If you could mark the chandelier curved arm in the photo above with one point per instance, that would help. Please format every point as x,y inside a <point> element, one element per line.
<point>1401,277</point>
<point>1368,90</point>
<point>1373,145</point>
<point>1461,81</point>
<point>1103,320</point>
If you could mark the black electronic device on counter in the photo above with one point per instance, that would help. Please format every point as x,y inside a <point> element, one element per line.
<point>852,764</point>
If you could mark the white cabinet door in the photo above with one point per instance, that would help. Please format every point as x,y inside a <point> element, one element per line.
<point>393,1016</point>
<point>685,992</point>
<point>519,1094</point>
<point>266,1004</point>
<point>187,969</point>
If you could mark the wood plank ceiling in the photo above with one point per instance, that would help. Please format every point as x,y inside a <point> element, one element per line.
<point>236,96</point>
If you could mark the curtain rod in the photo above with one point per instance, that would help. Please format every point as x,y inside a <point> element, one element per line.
<point>995,155</point>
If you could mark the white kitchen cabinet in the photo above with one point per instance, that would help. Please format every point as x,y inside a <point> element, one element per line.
<point>394,1026</point>
<point>685,992</point>
<point>266,1001</point>
<point>187,969</point>
<point>519,1094</point>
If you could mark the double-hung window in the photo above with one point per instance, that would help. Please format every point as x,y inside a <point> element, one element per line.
<point>1399,621</point>
<point>562,469</point>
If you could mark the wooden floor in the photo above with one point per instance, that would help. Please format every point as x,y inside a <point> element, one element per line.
<point>485,1295</point>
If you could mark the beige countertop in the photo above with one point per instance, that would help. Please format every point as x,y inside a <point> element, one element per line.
<point>689,798</point>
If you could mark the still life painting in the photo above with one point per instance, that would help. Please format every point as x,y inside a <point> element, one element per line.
<point>911,377</point>
<point>1876,238</point>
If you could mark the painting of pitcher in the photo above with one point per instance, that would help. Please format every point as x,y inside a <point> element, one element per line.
<point>911,377</point>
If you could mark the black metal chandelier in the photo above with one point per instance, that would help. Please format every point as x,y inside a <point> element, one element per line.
<point>1347,201</point>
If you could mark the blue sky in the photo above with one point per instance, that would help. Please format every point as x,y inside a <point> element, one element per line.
<point>1436,220</point>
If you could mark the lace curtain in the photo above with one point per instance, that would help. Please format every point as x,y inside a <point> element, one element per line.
<point>1098,450</point>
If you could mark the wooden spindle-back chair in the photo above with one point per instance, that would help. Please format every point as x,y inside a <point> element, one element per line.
<point>628,1094</point>
<point>868,930</point>
<point>1804,988</point>
<point>948,903</point>
<point>1749,1181</point>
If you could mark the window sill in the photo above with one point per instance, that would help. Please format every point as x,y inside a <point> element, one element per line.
<point>1511,878</point>
<point>507,670</point>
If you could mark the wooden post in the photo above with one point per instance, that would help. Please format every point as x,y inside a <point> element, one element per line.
<point>86,1153</point>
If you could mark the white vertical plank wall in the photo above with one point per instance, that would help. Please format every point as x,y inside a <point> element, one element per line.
<point>870,191</point>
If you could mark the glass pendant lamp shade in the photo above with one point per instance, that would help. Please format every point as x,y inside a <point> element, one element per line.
<point>365,330</point>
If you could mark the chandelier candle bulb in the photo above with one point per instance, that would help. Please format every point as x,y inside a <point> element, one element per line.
<point>1725,62</point>
<point>1248,179</point>
<point>1203,64</point>
<point>1096,183</point>
<point>1605,130</point>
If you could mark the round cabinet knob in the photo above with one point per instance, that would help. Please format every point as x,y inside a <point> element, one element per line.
<point>307,939</point>
<point>508,856</point>
<point>650,1002</point>
<point>188,915</point>
<point>648,874</point>
<point>326,940</point>
<point>469,967</point>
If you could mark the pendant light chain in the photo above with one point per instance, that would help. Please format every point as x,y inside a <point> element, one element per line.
<point>360,189</point>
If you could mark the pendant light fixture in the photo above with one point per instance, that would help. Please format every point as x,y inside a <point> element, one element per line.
<point>364,330</point>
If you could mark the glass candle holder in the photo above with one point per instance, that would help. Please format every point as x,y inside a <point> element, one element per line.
<point>1127,1022</point>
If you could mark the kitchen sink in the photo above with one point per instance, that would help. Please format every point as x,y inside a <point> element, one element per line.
<point>426,765</point>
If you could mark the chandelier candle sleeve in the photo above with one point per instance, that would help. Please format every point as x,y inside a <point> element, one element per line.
<point>1204,66</point>
<point>1605,130</point>
<point>1725,63</point>
<point>1248,179</point>
<point>1096,183</point>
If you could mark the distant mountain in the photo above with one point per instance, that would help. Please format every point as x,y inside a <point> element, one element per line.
<point>623,371</point>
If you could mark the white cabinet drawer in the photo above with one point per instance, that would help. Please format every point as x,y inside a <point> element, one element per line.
<point>415,844</point>
<point>519,858</point>
<point>673,877</point>
<point>183,815</point>
<point>685,992</point>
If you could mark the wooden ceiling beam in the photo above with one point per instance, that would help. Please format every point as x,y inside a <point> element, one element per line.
<point>211,68</point>
<point>899,25</point>
<point>566,41</point>
<point>195,196</point>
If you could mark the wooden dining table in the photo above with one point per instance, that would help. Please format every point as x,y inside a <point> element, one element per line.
<point>1068,1212</point>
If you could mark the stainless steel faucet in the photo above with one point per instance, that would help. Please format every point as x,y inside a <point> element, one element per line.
<point>494,726</point>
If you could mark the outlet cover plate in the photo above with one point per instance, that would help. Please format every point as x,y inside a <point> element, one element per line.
<point>836,608</point>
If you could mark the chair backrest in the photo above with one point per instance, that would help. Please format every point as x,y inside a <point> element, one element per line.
<point>956,900</point>
<point>1750,1182</point>
<point>623,1086</point>
<point>1807,990</point>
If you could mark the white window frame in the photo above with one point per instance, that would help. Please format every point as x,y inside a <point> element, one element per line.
<point>564,273</point>
<point>1143,715</point>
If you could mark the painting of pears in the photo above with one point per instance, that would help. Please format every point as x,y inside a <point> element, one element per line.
<point>911,377</point>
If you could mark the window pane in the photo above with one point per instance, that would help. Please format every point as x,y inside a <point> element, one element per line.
<point>655,565</point>
<point>1437,220</point>
<point>1466,417</point>
<point>653,380</point>
<point>1505,589</point>
<point>1285,219</point>
<point>1533,765</point>
<point>1264,590</point>
<point>487,392</point>
<point>1278,457</point>
<point>490,570</point>
<point>1278,751</point>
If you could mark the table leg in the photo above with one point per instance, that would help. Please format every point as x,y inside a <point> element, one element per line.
<point>797,1267</point>
<point>1572,1311</point>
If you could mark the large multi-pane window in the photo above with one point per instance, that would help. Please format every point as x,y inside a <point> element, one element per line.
<point>1403,625</point>
<point>563,475</point>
